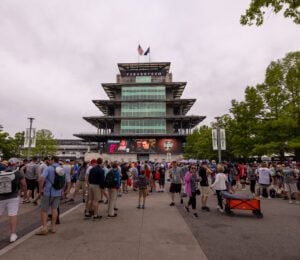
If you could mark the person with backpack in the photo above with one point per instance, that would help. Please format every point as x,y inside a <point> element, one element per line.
<point>142,184</point>
<point>31,179</point>
<point>51,184</point>
<point>10,181</point>
<point>112,183</point>
<point>96,183</point>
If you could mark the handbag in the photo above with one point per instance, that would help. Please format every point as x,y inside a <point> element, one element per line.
<point>198,192</point>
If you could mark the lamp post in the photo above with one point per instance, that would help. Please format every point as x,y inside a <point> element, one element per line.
<point>29,143</point>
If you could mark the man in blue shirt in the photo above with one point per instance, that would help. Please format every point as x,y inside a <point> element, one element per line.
<point>50,195</point>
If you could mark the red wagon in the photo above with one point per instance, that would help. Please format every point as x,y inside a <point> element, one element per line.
<point>241,202</point>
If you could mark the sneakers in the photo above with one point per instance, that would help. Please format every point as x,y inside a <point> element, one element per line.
<point>186,209</point>
<point>97,217</point>
<point>205,208</point>
<point>41,232</point>
<point>291,202</point>
<point>110,216</point>
<point>172,204</point>
<point>116,209</point>
<point>297,202</point>
<point>13,237</point>
<point>195,215</point>
<point>143,207</point>
<point>138,207</point>
<point>221,210</point>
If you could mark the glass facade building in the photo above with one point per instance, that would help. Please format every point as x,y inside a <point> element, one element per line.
<point>145,115</point>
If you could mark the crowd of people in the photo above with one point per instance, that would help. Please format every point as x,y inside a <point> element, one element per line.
<point>50,181</point>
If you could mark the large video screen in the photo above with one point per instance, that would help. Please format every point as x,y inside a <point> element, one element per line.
<point>169,146</point>
<point>166,145</point>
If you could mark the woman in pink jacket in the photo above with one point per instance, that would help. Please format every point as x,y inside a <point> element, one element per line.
<point>191,180</point>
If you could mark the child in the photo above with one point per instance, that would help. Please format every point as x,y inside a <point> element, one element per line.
<point>142,184</point>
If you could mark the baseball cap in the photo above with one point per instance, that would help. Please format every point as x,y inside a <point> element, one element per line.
<point>13,161</point>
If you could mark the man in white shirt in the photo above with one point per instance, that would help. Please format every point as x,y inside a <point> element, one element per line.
<point>264,179</point>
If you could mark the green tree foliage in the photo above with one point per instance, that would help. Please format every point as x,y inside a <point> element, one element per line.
<point>6,145</point>
<point>199,144</point>
<point>257,9</point>
<point>45,144</point>
<point>266,122</point>
<point>17,144</point>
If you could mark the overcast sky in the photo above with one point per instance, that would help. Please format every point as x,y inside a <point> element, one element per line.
<point>55,54</point>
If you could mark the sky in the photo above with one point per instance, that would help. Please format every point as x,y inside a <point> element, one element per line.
<point>55,54</point>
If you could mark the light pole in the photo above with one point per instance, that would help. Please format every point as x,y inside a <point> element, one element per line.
<point>29,143</point>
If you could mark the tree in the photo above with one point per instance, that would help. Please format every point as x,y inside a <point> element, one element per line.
<point>199,144</point>
<point>256,10</point>
<point>6,143</point>
<point>17,144</point>
<point>45,144</point>
<point>281,94</point>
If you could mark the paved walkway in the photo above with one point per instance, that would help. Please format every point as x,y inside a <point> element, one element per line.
<point>158,232</point>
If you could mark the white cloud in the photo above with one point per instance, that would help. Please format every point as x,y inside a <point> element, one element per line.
<point>54,54</point>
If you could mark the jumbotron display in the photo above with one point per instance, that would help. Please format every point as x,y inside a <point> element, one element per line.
<point>166,145</point>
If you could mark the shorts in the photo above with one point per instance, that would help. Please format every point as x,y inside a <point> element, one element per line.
<point>143,192</point>
<point>31,184</point>
<point>290,187</point>
<point>80,185</point>
<point>12,206</point>
<point>49,202</point>
<point>161,182</point>
<point>205,191</point>
<point>175,188</point>
<point>94,192</point>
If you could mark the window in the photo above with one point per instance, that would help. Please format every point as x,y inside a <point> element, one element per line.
<point>143,109</point>
<point>143,92</point>
<point>150,126</point>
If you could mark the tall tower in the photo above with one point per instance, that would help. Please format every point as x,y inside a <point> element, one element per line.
<point>144,118</point>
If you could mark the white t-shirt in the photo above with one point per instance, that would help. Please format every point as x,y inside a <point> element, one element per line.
<point>264,175</point>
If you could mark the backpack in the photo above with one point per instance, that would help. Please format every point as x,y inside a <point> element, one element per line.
<point>59,178</point>
<point>6,182</point>
<point>110,180</point>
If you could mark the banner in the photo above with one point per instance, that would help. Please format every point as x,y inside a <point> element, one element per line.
<point>214,134</point>
<point>28,137</point>
<point>223,139</point>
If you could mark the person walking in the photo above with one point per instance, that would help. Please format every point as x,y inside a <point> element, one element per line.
<point>176,177</point>
<point>191,180</point>
<point>142,184</point>
<point>220,185</point>
<point>204,172</point>
<point>10,181</point>
<point>96,182</point>
<point>264,179</point>
<point>51,185</point>
<point>112,183</point>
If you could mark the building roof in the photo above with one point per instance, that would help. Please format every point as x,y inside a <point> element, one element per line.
<point>144,67</point>
<point>108,122</point>
<point>106,106</point>
<point>93,137</point>
<point>111,88</point>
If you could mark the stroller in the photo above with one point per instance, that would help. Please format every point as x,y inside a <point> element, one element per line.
<point>242,202</point>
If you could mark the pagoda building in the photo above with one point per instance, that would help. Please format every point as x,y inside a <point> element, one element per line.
<point>144,118</point>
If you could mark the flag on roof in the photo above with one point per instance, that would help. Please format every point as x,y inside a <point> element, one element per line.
<point>147,51</point>
<point>140,50</point>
